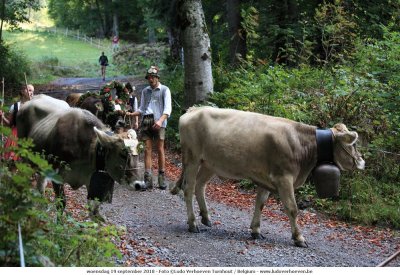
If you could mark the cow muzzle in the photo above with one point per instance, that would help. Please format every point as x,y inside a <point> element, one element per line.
<point>360,163</point>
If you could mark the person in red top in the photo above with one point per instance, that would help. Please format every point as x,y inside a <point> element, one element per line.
<point>115,43</point>
<point>10,119</point>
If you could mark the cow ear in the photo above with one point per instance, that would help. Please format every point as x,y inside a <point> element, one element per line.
<point>104,138</point>
<point>340,127</point>
<point>347,137</point>
<point>341,132</point>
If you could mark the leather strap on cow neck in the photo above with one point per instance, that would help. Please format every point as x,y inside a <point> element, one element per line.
<point>324,145</point>
<point>100,157</point>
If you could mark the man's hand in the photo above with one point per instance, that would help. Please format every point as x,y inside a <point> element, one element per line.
<point>157,125</point>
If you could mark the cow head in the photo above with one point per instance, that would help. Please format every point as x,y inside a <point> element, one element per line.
<point>131,142</point>
<point>117,156</point>
<point>345,153</point>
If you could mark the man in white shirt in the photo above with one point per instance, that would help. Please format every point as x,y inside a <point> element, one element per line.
<point>155,108</point>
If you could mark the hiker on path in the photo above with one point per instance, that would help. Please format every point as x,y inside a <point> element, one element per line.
<point>103,61</point>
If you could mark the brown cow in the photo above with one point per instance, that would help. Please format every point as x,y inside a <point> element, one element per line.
<point>73,98</point>
<point>92,103</point>
<point>72,135</point>
<point>275,153</point>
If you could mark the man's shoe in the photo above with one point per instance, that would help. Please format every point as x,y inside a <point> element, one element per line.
<point>161,181</point>
<point>148,180</point>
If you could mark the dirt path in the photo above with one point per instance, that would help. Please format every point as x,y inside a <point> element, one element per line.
<point>157,235</point>
<point>61,87</point>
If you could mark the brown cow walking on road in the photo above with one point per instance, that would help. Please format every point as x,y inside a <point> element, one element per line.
<point>275,153</point>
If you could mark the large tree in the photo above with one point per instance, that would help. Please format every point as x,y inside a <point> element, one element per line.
<point>196,50</point>
<point>14,12</point>
<point>237,45</point>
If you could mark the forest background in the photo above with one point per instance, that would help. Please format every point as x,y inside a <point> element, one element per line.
<point>317,62</point>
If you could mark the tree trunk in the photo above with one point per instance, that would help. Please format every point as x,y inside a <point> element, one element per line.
<point>174,45</point>
<point>101,19</point>
<point>3,15</point>
<point>197,52</point>
<point>287,15</point>
<point>237,35</point>
<point>115,24</point>
<point>108,17</point>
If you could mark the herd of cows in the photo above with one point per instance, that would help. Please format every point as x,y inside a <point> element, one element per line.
<point>277,154</point>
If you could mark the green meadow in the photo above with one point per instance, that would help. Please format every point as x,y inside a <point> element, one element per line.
<point>55,55</point>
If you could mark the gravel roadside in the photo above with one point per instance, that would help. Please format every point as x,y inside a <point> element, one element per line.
<point>156,221</point>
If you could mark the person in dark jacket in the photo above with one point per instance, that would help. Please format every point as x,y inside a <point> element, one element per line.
<point>103,61</point>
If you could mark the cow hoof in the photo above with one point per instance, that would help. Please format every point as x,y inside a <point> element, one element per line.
<point>175,190</point>
<point>206,222</point>
<point>257,236</point>
<point>194,229</point>
<point>301,244</point>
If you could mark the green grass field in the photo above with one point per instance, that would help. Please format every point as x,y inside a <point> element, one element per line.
<point>38,45</point>
<point>73,58</point>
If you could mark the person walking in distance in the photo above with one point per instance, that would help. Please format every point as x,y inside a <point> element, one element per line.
<point>115,43</point>
<point>103,61</point>
<point>155,108</point>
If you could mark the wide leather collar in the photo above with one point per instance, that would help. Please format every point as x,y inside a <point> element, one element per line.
<point>324,145</point>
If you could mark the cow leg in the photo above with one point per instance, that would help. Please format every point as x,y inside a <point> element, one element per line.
<point>60,196</point>
<point>41,183</point>
<point>262,196</point>
<point>178,185</point>
<point>202,178</point>
<point>286,193</point>
<point>190,176</point>
<point>94,211</point>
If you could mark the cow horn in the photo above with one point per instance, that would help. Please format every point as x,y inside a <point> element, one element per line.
<point>103,137</point>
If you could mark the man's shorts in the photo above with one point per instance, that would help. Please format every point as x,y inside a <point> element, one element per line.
<point>152,134</point>
<point>148,132</point>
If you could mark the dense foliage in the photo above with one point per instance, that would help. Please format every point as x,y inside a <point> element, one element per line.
<point>13,13</point>
<point>14,66</point>
<point>45,242</point>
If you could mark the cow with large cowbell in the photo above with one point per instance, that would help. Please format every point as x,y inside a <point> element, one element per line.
<point>95,157</point>
<point>277,154</point>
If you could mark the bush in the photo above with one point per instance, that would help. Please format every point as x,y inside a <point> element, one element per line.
<point>13,67</point>
<point>366,200</point>
<point>45,243</point>
<point>136,59</point>
<point>174,80</point>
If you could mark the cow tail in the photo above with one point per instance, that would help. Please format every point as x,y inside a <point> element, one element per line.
<point>178,185</point>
